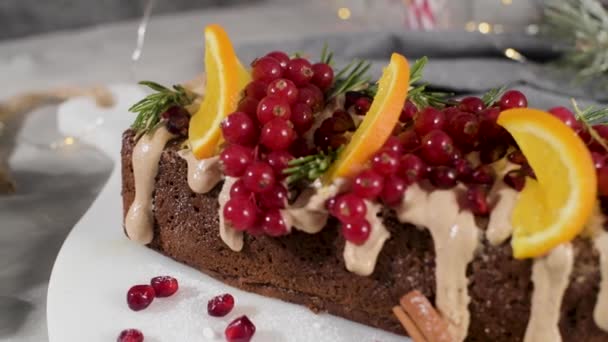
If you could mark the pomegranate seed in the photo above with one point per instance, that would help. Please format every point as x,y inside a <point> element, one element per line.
<point>239,128</point>
<point>567,117</point>
<point>130,335</point>
<point>429,119</point>
<point>235,159</point>
<point>356,232</point>
<point>277,134</point>
<point>330,204</point>
<point>279,160</point>
<point>437,148</point>
<point>240,330</point>
<point>259,177</point>
<point>273,223</point>
<point>280,56</point>
<point>492,154</point>
<point>342,122</point>
<point>368,184</point>
<point>411,168</point>
<point>409,112</point>
<point>248,105</point>
<point>272,107</point>
<point>471,104</point>
<point>513,99</point>
<point>299,71</point>
<point>483,174</point>
<point>362,105</point>
<point>394,145</point>
<point>323,75</point>
<point>283,88</point>
<point>515,179</point>
<point>443,177</point>
<point>256,89</point>
<point>350,97</point>
<point>239,190</point>
<point>177,120</point>
<point>241,213</point>
<point>517,157</point>
<point>464,169</point>
<point>164,286</point>
<point>139,297</point>
<point>302,117</point>
<point>220,306</point>
<point>393,190</point>
<point>385,162</point>
<point>349,208</point>
<point>477,201</point>
<point>266,69</point>
<point>275,198</point>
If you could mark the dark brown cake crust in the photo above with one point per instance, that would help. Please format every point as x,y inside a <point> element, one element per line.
<point>309,269</point>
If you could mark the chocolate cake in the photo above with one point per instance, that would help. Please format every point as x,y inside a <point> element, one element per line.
<point>309,269</point>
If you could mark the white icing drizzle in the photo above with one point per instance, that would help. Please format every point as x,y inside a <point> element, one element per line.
<point>456,238</point>
<point>600,313</point>
<point>204,174</point>
<point>361,259</point>
<point>231,237</point>
<point>551,276</point>
<point>503,198</point>
<point>139,222</point>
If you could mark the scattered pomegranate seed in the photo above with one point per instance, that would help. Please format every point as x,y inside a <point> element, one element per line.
<point>477,200</point>
<point>220,306</point>
<point>443,177</point>
<point>164,286</point>
<point>240,330</point>
<point>515,179</point>
<point>483,174</point>
<point>130,335</point>
<point>362,105</point>
<point>517,157</point>
<point>139,297</point>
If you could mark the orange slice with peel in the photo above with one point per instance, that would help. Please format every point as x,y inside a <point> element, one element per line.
<point>225,79</point>
<point>378,123</point>
<point>555,207</point>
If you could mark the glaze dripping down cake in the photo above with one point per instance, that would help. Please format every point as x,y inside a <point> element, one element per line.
<point>316,188</point>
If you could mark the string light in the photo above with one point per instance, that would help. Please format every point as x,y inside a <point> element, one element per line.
<point>507,2</point>
<point>514,55</point>
<point>344,13</point>
<point>484,28</point>
<point>470,26</point>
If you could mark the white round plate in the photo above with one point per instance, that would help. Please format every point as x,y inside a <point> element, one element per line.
<point>97,264</point>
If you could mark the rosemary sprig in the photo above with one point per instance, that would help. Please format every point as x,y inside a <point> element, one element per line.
<point>351,77</point>
<point>492,95</point>
<point>418,94</point>
<point>591,117</point>
<point>327,56</point>
<point>310,167</point>
<point>583,25</point>
<point>152,106</point>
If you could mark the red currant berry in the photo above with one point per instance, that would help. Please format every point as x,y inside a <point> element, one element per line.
<point>283,88</point>
<point>259,177</point>
<point>464,128</point>
<point>477,200</point>
<point>409,140</point>
<point>164,286</point>
<point>483,174</point>
<point>393,190</point>
<point>599,160</point>
<point>356,232</point>
<point>437,148</point>
<point>220,306</point>
<point>272,107</point>
<point>385,162</point>
<point>516,179</point>
<point>342,122</point>
<point>130,335</point>
<point>362,105</point>
<point>140,297</point>
<point>349,208</point>
<point>239,128</point>
<point>602,181</point>
<point>429,119</point>
<point>299,71</point>
<point>464,169</point>
<point>249,105</point>
<point>279,160</point>
<point>368,184</point>
<point>393,144</point>
<point>443,177</point>
<point>301,117</point>
<point>239,190</point>
<point>275,198</point>
<point>266,69</point>
<point>408,113</point>
<point>280,56</point>
<point>235,158</point>
<point>273,223</point>
<point>256,89</point>
<point>277,134</point>
<point>411,168</point>
<point>323,75</point>
<point>513,99</point>
<point>567,117</point>
<point>471,104</point>
<point>312,96</point>
<point>299,148</point>
<point>240,330</point>
<point>450,112</point>
<point>602,131</point>
<point>240,213</point>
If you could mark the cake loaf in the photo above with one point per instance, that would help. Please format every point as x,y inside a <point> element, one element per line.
<point>309,269</point>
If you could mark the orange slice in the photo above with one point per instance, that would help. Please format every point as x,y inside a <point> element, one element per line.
<point>378,123</point>
<point>554,208</point>
<point>225,79</point>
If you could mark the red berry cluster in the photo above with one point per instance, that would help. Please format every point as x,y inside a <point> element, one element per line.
<point>267,132</point>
